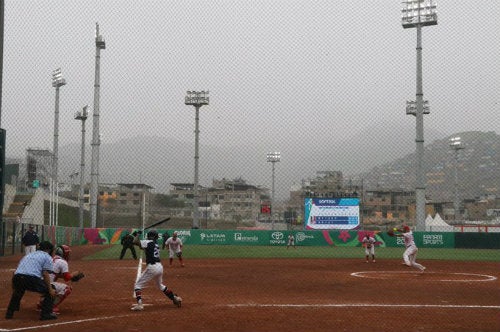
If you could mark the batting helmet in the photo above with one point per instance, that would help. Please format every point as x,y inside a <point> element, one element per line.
<point>406,228</point>
<point>152,235</point>
<point>63,251</point>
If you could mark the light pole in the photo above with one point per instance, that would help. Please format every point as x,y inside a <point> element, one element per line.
<point>57,82</point>
<point>96,141</point>
<point>197,99</point>
<point>82,116</point>
<point>273,158</point>
<point>456,145</point>
<point>416,14</point>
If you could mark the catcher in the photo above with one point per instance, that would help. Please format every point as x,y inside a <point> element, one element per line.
<point>61,270</point>
<point>174,248</point>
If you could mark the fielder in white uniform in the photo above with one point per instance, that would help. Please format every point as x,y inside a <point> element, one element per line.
<point>410,254</point>
<point>369,244</point>
<point>174,245</point>
<point>291,241</point>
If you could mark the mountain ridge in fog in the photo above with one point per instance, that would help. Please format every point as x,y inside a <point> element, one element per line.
<point>158,161</point>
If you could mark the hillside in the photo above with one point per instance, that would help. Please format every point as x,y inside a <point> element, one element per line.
<point>478,168</point>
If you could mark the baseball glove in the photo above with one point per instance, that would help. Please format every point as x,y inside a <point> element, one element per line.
<point>77,277</point>
<point>390,232</point>
<point>179,254</point>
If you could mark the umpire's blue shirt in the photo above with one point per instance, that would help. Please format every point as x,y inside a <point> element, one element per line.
<point>35,263</point>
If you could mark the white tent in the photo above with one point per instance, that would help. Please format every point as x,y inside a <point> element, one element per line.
<point>437,224</point>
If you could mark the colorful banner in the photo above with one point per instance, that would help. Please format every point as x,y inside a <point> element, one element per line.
<point>336,238</point>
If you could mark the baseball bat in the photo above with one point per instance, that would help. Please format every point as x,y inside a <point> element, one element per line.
<point>139,272</point>
<point>157,223</point>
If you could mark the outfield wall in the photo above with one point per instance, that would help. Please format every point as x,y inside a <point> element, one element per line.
<point>75,236</point>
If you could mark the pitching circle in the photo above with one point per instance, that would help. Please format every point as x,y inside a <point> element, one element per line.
<point>428,276</point>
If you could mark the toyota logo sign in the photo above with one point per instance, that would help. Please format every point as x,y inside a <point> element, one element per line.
<point>277,236</point>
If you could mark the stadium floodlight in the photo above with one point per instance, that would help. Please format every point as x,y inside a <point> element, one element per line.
<point>456,145</point>
<point>82,116</point>
<point>411,107</point>
<point>57,82</point>
<point>196,99</point>
<point>416,14</point>
<point>96,141</point>
<point>273,158</point>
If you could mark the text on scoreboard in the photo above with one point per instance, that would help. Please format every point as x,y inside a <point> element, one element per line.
<point>331,213</point>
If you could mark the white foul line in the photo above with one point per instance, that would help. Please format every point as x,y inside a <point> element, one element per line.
<point>60,323</point>
<point>345,305</point>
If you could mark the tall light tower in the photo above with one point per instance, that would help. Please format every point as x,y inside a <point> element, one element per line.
<point>96,142</point>
<point>273,158</point>
<point>82,116</point>
<point>57,82</point>
<point>197,99</point>
<point>416,14</point>
<point>456,145</point>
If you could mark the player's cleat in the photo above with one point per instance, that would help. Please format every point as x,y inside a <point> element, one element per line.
<point>137,307</point>
<point>9,314</point>
<point>177,300</point>
<point>49,316</point>
<point>367,261</point>
<point>423,269</point>
<point>373,261</point>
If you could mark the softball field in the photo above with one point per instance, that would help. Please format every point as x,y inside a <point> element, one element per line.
<point>271,295</point>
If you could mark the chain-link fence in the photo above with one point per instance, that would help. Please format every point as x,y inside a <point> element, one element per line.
<point>248,122</point>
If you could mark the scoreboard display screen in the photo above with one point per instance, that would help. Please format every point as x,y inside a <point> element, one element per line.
<point>331,213</point>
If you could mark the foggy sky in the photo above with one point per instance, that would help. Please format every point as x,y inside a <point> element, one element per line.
<point>278,71</point>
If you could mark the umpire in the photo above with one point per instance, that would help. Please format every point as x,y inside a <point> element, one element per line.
<point>30,240</point>
<point>128,243</point>
<point>33,274</point>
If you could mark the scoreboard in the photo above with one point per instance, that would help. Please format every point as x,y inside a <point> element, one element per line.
<point>331,213</point>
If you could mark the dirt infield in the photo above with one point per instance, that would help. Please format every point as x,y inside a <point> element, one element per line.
<point>272,295</point>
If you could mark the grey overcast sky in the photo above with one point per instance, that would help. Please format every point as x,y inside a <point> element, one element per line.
<point>295,69</point>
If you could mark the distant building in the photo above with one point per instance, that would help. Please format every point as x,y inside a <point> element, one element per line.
<point>232,200</point>
<point>127,194</point>
<point>325,184</point>
<point>395,204</point>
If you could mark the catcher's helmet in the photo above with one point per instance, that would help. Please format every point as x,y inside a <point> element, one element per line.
<point>63,251</point>
<point>152,235</point>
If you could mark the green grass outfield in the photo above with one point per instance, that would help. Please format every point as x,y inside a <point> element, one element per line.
<point>226,251</point>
